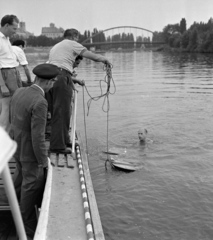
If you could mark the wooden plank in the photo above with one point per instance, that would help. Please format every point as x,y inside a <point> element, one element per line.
<point>12,160</point>
<point>5,208</point>
<point>61,160</point>
<point>12,167</point>
<point>66,213</point>
<point>69,161</point>
<point>96,220</point>
<point>12,163</point>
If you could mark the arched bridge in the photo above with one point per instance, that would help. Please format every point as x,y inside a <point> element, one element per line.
<point>136,37</point>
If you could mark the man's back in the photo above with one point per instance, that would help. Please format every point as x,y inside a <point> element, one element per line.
<point>63,54</point>
<point>28,119</point>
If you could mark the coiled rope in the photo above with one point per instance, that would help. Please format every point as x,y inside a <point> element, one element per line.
<point>107,79</point>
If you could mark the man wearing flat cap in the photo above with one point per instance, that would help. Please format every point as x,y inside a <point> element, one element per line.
<point>28,114</point>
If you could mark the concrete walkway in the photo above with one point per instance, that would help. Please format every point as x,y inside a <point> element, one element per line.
<point>66,213</point>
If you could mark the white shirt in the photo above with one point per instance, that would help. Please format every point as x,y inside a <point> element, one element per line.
<point>63,54</point>
<point>7,59</point>
<point>19,55</point>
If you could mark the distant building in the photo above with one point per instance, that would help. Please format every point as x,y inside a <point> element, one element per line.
<point>22,32</point>
<point>52,31</point>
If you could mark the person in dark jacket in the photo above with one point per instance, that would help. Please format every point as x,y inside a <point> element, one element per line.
<point>28,113</point>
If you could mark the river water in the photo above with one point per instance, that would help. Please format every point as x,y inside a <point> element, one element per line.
<point>171,95</point>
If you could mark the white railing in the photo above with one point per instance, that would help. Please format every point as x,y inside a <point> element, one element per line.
<point>41,230</point>
<point>73,121</point>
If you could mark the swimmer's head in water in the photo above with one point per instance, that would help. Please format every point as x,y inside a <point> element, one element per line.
<point>142,133</point>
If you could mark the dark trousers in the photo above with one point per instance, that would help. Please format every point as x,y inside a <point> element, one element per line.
<point>59,104</point>
<point>29,182</point>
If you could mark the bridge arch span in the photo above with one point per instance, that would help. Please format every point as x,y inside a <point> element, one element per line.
<point>108,29</point>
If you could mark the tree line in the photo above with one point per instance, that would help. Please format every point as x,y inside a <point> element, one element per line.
<point>197,38</point>
<point>97,36</point>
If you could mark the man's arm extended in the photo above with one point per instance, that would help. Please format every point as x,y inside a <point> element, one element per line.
<point>95,57</point>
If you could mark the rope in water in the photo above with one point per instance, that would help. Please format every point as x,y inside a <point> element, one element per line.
<point>106,105</point>
<point>85,126</point>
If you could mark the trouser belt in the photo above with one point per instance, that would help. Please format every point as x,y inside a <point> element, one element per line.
<point>64,71</point>
<point>7,68</point>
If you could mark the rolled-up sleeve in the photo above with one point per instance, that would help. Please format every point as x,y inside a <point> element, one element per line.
<point>21,57</point>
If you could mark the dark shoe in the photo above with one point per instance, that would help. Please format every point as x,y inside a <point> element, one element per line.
<point>63,151</point>
<point>69,145</point>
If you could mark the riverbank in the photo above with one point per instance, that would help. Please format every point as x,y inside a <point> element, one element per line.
<point>167,48</point>
<point>37,49</point>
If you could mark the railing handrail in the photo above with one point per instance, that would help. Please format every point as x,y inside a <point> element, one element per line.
<point>41,229</point>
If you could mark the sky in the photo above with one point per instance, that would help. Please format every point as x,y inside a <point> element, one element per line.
<point>83,15</point>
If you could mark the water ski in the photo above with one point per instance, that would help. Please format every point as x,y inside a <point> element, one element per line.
<point>123,166</point>
<point>110,153</point>
<point>118,159</point>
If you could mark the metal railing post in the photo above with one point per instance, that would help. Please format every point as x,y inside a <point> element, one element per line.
<point>73,123</point>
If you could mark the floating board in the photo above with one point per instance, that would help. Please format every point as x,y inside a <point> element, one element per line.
<point>124,166</point>
<point>118,158</point>
<point>111,153</point>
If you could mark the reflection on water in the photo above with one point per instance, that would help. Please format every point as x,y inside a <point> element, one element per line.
<point>170,95</point>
